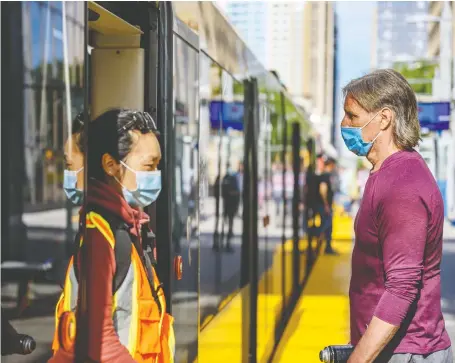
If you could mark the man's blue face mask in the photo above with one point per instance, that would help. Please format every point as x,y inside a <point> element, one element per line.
<point>148,188</point>
<point>352,137</point>
<point>75,195</point>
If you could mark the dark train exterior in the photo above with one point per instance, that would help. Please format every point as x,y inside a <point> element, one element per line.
<point>226,124</point>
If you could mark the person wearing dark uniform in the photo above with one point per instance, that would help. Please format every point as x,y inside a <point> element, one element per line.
<point>310,193</point>
<point>231,200</point>
<point>325,202</point>
<point>216,194</point>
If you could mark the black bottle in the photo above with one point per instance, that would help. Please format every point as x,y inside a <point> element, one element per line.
<point>336,353</point>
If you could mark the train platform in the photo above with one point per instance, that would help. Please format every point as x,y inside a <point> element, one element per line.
<point>321,316</point>
<point>222,338</point>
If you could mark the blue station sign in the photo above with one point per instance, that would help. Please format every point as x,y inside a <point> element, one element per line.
<point>229,114</point>
<point>434,116</point>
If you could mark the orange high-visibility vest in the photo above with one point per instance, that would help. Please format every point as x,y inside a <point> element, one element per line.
<point>147,334</point>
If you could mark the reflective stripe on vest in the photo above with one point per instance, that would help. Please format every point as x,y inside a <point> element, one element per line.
<point>135,313</point>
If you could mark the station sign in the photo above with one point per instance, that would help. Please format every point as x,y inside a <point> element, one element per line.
<point>229,114</point>
<point>434,116</point>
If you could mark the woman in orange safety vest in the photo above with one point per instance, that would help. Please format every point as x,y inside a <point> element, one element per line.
<point>126,308</point>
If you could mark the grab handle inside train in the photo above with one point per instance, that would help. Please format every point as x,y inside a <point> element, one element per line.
<point>336,353</point>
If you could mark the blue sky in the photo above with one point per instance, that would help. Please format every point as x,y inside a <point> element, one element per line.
<point>355,35</point>
<point>355,25</point>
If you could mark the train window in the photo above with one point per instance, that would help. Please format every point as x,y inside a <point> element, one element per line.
<point>185,232</point>
<point>41,160</point>
<point>45,96</point>
<point>221,163</point>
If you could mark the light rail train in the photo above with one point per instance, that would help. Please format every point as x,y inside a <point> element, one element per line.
<point>230,282</point>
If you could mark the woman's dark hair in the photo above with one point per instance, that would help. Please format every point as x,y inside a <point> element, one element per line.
<point>77,129</point>
<point>110,133</point>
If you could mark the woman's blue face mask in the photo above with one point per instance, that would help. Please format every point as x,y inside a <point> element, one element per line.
<point>147,190</point>
<point>75,195</point>
<point>352,137</point>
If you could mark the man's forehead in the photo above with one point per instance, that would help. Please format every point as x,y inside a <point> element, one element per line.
<point>351,104</point>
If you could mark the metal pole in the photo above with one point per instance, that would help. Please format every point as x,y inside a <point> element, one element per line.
<point>295,205</point>
<point>309,208</point>
<point>283,157</point>
<point>436,156</point>
<point>246,206</point>
<point>254,224</point>
<point>81,344</point>
<point>68,108</point>
<point>165,202</point>
<point>245,257</point>
<point>446,51</point>
<point>249,266</point>
<point>450,190</point>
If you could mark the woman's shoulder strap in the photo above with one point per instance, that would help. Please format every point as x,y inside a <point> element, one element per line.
<point>122,244</point>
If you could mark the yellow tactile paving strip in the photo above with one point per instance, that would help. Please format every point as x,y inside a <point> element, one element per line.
<point>321,316</point>
<point>221,339</point>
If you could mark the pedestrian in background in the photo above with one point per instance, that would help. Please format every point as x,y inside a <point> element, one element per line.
<point>325,207</point>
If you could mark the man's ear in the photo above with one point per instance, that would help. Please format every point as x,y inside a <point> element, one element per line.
<point>110,165</point>
<point>387,116</point>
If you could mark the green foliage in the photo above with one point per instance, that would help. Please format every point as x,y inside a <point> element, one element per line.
<point>418,70</point>
<point>239,89</point>
<point>216,89</point>
<point>359,163</point>
<point>274,100</point>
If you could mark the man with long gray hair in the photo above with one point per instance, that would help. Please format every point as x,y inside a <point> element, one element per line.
<point>395,290</point>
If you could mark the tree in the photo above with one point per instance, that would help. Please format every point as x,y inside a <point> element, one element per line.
<point>421,70</point>
<point>292,115</point>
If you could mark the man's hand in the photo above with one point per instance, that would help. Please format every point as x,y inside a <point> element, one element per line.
<point>377,336</point>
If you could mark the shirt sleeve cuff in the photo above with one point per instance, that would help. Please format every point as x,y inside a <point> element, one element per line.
<point>392,309</point>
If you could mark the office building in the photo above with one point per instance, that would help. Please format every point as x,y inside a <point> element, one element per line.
<point>434,27</point>
<point>318,65</point>
<point>250,20</point>
<point>273,31</point>
<point>297,40</point>
<point>398,35</point>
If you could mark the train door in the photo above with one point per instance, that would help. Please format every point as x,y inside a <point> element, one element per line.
<point>132,66</point>
<point>143,58</point>
<point>116,61</point>
<point>185,190</point>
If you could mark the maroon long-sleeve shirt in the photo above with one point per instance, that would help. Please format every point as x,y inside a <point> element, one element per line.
<point>397,256</point>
